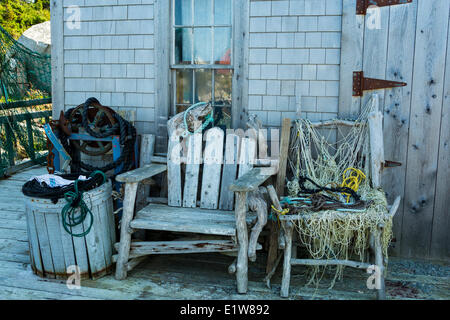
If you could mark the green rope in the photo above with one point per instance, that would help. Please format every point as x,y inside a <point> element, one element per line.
<point>69,215</point>
<point>209,118</point>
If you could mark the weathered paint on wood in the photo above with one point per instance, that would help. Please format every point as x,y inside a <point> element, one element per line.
<point>410,46</point>
<point>229,171</point>
<point>146,151</point>
<point>175,247</point>
<point>162,47</point>
<point>376,32</point>
<point>212,168</point>
<point>399,67</point>
<point>440,241</point>
<point>53,250</point>
<point>247,155</point>
<point>143,173</point>
<point>242,238</point>
<point>159,217</point>
<point>44,243</point>
<point>253,179</point>
<point>194,159</point>
<point>376,142</point>
<point>55,241</point>
<point>174,171</point>
<point>426,111</point>
<point>352,42</point>
<point>34,253</point>
<point>125,232</point>
<point>57,36</point>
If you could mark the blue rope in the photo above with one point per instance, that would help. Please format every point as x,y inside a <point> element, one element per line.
<point>208,120</point>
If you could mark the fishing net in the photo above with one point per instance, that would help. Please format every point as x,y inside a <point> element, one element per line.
<point>323,155</point>
<point>24,75</point>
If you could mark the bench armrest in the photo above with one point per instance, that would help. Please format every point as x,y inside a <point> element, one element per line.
<point>137,175</point>
<point>253,179</point>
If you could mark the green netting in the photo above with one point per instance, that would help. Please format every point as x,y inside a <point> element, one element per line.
<point>24,75</point>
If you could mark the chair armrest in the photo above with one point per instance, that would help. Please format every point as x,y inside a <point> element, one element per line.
<point>137,175</point>
<point>253,179</point>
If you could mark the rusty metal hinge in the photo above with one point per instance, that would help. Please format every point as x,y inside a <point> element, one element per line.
<point>360,84</point>
<point>363,5</point>
<point>391,164</point>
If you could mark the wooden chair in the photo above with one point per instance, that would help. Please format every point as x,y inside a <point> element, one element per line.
<point>204,197</point>
<point>376,156</point>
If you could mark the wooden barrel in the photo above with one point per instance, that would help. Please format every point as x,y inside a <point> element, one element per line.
<point>55,253</point>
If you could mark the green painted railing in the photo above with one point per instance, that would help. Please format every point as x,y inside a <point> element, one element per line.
<point>27,117</point>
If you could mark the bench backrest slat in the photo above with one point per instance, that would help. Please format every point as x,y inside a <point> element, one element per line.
<point>212,168</point>
<point>210,163</point>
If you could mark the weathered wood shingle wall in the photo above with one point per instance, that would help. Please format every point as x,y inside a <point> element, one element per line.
<point>110,56</point>
<point>294,56</point>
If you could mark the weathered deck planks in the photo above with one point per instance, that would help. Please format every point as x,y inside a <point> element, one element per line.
<point>169,277</point>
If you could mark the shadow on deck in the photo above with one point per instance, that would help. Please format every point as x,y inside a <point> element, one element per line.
<point>194,276</point>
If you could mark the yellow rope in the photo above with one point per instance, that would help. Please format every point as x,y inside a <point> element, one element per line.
<point>283,212</point>
<point>352,181</point>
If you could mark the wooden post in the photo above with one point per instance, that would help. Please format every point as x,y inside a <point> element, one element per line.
<point>279,187</point>
<point>242,237</point>
<point>274,199</point>
<point>145,157</point>
<point>30,140</point>
<point>376,142</point>
<point>146,152</point>
<point>9,143</point>
<point>232,267</point>
<point>257,204</point>
<point>57,36</point>
<point>381,294</point>
<point>125,234</point>
<point>288,229</point>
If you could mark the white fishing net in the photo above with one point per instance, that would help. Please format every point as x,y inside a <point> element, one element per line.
<point>323,155</point>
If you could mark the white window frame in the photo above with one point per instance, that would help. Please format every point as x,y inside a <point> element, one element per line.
<point>163,61</point>
<point>210,66</point>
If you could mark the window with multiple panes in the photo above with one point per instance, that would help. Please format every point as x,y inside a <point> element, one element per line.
<point>202,59</point>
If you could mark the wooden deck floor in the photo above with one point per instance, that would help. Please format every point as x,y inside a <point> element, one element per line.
<point>189,276</point>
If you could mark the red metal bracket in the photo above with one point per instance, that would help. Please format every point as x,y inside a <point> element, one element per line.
<point>360,84</point>
<point>363,5</point>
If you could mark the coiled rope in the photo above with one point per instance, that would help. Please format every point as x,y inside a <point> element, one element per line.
<point>75,211</point>
<point>352,180</point>
<point>209,118</point>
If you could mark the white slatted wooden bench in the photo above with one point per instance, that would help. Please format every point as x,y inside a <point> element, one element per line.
<point>204,197</point>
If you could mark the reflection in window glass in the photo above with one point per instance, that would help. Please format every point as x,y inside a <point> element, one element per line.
<point>203,85</point>
<point>183,12</point>
<point>202,45</point>
<point>202,12</point>
<point>184,87</point>
<point>222,117</point>
<point>222,12</point>
<point>183,45</point>
<point>222,45</point>
<point>222,87</point>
